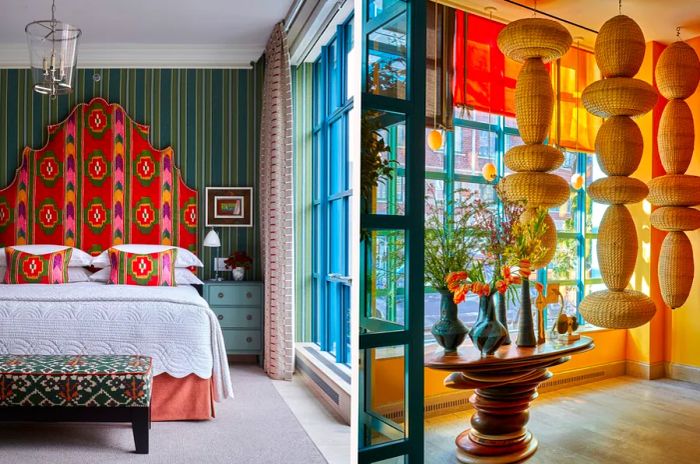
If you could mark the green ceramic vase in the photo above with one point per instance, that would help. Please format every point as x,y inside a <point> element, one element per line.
<point>487,334</point>
<point>449,330</point>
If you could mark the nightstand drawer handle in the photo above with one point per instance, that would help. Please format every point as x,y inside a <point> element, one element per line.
<point>249,295</point>
<point>221,295</point>
<point>249,317</point>
<point>249,339</point>
<point>221,317</point>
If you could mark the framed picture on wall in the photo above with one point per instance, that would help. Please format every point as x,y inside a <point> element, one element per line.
<point>229,207</point>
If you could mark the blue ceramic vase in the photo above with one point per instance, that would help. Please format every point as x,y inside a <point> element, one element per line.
<point>502,316</point>
<point>449,330</point>
<point>487,334</point>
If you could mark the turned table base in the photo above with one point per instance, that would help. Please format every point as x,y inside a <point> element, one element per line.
<point>504,386</point>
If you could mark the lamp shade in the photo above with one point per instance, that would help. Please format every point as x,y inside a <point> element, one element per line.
<point>212,240</point>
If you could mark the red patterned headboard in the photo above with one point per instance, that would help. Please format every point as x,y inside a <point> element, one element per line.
<point>98,182</point>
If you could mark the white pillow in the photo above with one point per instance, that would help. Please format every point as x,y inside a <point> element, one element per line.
<point>77,259</point>
<point>75,274</point>
<point>78,274</point>
<point>182,276</point>
<point>185,258</point>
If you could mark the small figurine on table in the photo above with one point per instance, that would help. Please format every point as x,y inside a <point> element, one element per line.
<point>541,303</point>
<point>566,325</point>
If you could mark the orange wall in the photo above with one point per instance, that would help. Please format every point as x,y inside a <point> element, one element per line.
<point>646,344</point>
<point>684,322</point>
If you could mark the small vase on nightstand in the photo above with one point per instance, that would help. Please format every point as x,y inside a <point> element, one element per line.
<point>238,273</point>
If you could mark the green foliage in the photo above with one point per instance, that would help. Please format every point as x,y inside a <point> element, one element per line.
<point>452,241</point>
<point>564,259</point>
<point>527,238</point>
<point>373,166</point>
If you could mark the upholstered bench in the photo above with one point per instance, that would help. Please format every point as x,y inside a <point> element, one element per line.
<point>105,388</point>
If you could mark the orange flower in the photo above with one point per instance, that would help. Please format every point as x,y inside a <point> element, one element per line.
<point>455,279</point>
<point>506,272</point>
<point>476,287</point>
<point>461,293</point>
<point>516,280</point>
<point>525,268</point>
<point>502,286</point>
<point>485,290</point>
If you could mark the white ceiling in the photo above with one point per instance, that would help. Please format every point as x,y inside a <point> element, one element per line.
<point>228,27</point>
<point>657,18</point>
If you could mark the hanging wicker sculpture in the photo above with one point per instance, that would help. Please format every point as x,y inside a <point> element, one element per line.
<point>534,42</point>
<point>677,76</point>
<point>619,51</point>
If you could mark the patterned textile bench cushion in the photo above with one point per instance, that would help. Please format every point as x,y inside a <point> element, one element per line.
<point>82,381</point>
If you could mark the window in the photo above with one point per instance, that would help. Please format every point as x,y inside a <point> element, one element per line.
<point>474,142</point>
<point>331,197</point>
<point>479,139</point>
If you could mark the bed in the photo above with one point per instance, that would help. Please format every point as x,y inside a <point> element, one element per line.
<point>174,325</point>
<point>97,183</point>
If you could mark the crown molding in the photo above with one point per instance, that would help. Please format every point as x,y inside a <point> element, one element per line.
<point>146,56</point>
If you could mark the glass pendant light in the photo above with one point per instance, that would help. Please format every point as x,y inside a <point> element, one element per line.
<point>53,54</point>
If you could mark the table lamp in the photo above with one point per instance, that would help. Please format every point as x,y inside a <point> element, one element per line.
<point>212,241</point>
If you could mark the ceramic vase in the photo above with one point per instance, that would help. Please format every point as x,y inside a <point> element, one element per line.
<point>502,316</point>
<point>526,326</point>
<point>449,330</point>
<point>488,334</point>
<point>238,273</point>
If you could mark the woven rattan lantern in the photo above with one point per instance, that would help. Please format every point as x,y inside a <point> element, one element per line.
<point>534,42</point>
<point>677,75</point>
<point>619,52</point>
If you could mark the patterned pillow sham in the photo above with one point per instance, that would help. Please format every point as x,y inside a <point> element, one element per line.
<point>152,269</point>
<point>78,257</point>
<point>27,268</point>
<point>185,258</point>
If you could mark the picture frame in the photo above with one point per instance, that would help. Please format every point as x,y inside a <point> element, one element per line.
<point>229,207</point>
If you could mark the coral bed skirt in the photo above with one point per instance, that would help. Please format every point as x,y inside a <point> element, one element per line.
<point>188,398</point>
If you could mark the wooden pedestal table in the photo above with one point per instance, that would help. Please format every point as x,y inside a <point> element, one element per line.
<point>504,385</point>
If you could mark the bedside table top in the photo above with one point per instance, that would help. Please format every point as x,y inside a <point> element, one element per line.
<point>232,282</point>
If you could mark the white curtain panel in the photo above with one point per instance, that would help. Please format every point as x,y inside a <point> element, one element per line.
<point>276,207</point>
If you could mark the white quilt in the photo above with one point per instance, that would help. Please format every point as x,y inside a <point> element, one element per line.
<point>174,325</point>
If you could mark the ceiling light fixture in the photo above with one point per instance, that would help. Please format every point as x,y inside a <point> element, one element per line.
<point>53,54</point>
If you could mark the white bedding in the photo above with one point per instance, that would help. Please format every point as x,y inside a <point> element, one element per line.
<point>174,325</point>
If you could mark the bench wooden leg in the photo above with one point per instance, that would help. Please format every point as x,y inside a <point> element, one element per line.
<point>140,423</point>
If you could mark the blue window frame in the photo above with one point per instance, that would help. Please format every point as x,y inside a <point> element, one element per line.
<point>479,139</point>
<point>331,197</point>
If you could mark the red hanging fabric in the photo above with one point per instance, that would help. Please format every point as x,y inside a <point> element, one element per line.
<point>459,78</point>
<point>484,79</point>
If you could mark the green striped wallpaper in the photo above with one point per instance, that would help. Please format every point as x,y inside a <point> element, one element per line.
<point>209,116</point>
<point>302,104</point>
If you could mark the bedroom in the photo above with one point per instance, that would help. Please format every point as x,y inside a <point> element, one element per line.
<point>142,157</point>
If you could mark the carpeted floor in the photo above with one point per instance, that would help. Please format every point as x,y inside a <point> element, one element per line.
<point>256,426</point>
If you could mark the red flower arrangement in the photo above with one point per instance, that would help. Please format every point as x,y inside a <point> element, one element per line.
<point>238,259</point>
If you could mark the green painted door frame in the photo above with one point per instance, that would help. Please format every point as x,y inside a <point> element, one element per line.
<point>375,333</point>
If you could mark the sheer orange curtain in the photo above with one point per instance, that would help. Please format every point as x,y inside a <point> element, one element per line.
<point>572,126</point>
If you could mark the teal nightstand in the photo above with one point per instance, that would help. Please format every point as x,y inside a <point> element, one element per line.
<point>238,306</point>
